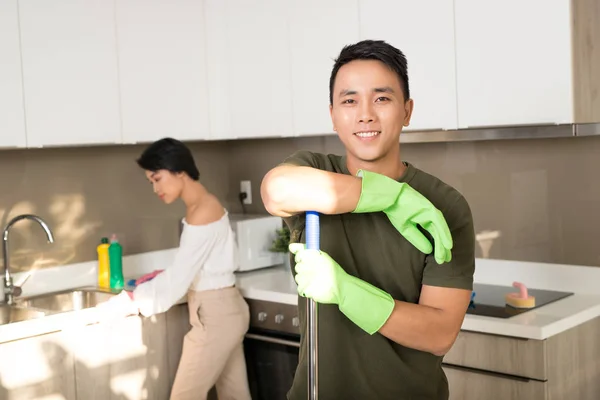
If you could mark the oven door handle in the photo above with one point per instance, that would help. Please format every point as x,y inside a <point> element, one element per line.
<point>269,339</point>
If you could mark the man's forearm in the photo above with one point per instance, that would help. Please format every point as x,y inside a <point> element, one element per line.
<point>419,327</point>
<point>288,190</point>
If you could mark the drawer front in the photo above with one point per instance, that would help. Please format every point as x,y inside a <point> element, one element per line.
<point>507,355</point>
<point>474,385</point>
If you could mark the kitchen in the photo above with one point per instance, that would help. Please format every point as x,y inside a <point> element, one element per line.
<point>508,117</point>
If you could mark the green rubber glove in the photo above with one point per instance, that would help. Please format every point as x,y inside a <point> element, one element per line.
<point>322,279</point>
<point>405,208</point>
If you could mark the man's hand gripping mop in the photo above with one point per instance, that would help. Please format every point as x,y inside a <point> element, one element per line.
<point>322,280</point>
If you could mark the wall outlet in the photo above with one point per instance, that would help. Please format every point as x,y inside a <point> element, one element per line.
<point>245,187</point>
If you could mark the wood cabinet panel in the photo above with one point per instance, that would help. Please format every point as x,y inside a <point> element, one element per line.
<point>472,385</point>
<point>508,355</point>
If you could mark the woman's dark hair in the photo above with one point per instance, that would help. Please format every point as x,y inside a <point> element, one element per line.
<point>378,50</point>
<point>169,154</point>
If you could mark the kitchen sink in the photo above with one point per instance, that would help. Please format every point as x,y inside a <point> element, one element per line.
<point>10,314</point>
<point>68,300</point>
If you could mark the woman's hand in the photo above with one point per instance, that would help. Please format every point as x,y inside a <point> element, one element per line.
<point>119,306</point>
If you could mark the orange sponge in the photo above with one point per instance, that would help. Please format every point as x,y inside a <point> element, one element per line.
<point>520,299</point>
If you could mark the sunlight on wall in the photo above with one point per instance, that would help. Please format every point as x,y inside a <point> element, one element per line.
<point>68,212</point>
<point>19,229</point>
<point>23,207</point>
<point>66,216</point>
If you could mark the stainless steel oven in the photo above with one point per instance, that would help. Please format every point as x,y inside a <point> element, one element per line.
<point>271,347</point>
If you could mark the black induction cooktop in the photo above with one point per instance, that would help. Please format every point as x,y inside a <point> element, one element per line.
<point>488,300</point>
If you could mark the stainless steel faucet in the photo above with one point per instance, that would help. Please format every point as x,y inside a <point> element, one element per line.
<point>10,290</point>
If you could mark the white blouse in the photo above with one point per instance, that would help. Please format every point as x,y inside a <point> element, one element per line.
<point>206,260</point>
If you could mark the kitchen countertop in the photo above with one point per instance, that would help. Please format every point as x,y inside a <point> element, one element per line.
<point>276,284</point>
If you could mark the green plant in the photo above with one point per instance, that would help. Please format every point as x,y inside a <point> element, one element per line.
<point>281,241</point>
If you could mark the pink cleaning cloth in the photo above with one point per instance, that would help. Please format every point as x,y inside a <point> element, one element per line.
<point>148,277</point>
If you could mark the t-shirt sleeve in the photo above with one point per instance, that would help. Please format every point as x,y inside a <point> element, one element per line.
<point>303,158</point>
<point>458,273</point>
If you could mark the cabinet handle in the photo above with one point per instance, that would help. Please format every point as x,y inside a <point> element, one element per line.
<point>269,339</point>
<point>489,373</point>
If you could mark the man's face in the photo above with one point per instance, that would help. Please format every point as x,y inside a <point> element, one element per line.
<point>368,110</point>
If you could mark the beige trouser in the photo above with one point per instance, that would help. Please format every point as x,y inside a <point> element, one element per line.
<point>213,352</point>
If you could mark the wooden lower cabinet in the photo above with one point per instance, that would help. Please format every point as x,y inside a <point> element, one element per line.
<point>40,367</point>
<point>137,358</point>
<point>477,385</point>
<point>133,358</point>
<point>123,360</point>
<point>564,366</point>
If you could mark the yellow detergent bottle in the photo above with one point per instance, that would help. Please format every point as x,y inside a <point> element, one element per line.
<point>103,264</point>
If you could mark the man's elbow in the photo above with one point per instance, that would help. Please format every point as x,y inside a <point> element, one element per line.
<point>274,192</point>
<point>444,343</point>
<point>441,351</point>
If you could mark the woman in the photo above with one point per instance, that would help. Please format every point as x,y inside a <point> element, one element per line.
<point>204,267</point>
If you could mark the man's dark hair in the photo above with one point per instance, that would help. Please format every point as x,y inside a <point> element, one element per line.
<point>373,50</point>
<point>169,154</point>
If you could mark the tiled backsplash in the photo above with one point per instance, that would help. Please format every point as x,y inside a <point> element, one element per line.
<point>90,192</point>
<point>539,197</point>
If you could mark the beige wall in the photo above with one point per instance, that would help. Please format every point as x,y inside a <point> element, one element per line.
<point>541,196</point>
<point>87,193</point>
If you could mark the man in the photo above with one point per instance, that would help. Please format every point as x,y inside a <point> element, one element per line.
<point>394,275</point>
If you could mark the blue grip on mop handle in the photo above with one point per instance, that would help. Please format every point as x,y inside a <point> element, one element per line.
<point>312,243</point>
<point>313,234</point>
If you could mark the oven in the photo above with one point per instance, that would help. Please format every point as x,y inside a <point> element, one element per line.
<point>271,348</point>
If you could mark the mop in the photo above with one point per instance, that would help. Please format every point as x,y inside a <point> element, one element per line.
<point>312,243</point>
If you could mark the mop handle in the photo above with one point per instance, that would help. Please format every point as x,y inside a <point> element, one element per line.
<point>312,243</point>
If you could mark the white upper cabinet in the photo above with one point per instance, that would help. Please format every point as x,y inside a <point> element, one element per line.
<point>424,31</point>
<point>162,65</point>
<point>133,71</point>
<point>70,72</point>
<point>249,73</point>
<point>514,62</point>
<point>319,30</point>
<point>12,117</point>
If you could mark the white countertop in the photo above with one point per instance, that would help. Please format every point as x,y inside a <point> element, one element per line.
<point>276,284</point>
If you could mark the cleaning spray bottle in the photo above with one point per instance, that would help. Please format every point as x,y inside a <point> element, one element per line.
<point>103,264</point>
<point>115,254</point>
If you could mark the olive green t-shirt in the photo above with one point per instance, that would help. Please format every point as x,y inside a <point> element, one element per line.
<point>352,363</point>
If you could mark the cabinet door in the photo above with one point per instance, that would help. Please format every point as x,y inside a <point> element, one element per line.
<point>502,354</point>
<point>424,31</point>
<point>12,117</point>
<point>319,31</point>
<point>249,74</point>
<point>70,72</point>
<point>513,62</point>
<point>38,367</point>
<point>162,66</point>
<point>471,384</point>
<point>125,359</point>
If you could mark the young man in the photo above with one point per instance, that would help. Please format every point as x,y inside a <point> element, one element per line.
<point>394,275</point>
